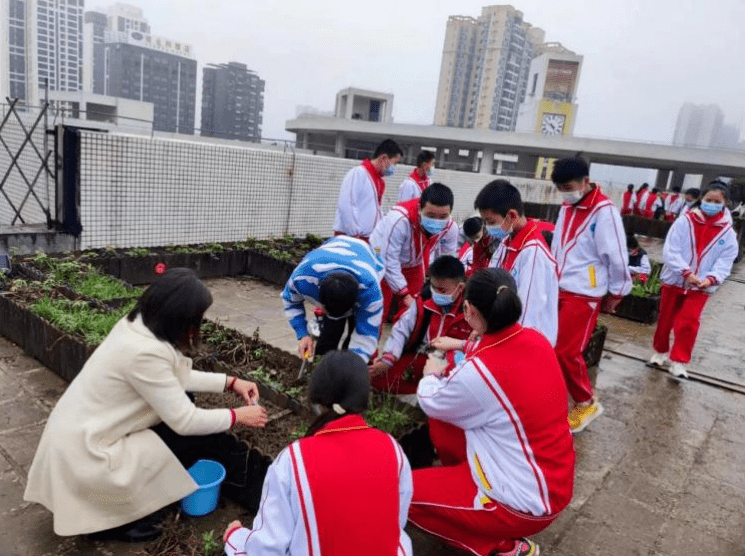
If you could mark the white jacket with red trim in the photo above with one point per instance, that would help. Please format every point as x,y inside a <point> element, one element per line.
<point>358,210</point>
<point>527,258</point>
<point>509,396</point>
<point>322,497</point>
<point>675,203</point>
<point>402,244</point>
<point>411,189</point>
<point>682,256</point>
<point>589,246</point>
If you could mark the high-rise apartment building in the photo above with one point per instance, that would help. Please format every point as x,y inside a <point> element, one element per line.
<point>150,69</point>
<point>59,37</point>
<point>120,18</point>
<point>232,102</point>
<point>484,70</point>
<point>18,67</point>
<point>698,125</point>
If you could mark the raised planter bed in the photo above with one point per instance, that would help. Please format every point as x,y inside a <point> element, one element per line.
<point>640,309</point>
<point>594,350</point>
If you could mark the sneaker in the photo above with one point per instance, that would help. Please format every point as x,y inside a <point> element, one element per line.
<point>523,547</point>
<point>583,415</point>
<point>678,370</point>
<point>658,359</point>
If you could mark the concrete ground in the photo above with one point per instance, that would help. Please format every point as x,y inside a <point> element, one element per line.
<point>661,472</point>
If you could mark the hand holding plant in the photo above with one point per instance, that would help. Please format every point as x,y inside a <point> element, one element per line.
<point>446,343</point>
<point>247,390</point>
<point>377,368</point>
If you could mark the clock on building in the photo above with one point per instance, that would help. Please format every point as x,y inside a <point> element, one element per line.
<point>552,124</point>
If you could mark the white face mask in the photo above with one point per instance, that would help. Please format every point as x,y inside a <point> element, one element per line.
<point>572,197</point>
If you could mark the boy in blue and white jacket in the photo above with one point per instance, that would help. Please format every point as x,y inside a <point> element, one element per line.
<point>342,276</point>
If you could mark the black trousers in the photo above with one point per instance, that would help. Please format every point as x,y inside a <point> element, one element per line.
<point>331,333</point>
<point>245,468</point>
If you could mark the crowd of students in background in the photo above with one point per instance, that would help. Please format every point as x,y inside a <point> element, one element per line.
<point>489,326</point>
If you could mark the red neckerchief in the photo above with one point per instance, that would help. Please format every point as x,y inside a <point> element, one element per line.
<point>422,182</point>
<point>514,244</point>
<point>422,243</point>
<point>376,178</point>
<point>575,215</point>
<point>705,229</point>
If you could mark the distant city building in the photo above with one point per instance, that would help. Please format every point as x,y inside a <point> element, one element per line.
<point>18,64</point>
<point>119,18</point>
<point>150,69</point>
<point>112,113</point>
<point>59,43</point>
<point>484,70</point>
<point>361,104</point>
<point>232,102</point>
<point>698,125</point>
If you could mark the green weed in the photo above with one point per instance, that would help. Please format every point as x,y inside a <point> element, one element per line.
<point>383,414</point>
<point>77,317</point>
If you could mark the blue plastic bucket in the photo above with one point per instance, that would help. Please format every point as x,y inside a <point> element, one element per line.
<point>209,475</point>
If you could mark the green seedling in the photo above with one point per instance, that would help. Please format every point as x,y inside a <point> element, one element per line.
<point>211,543</point>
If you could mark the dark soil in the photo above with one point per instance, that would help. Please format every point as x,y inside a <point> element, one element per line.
<point>283,426</point>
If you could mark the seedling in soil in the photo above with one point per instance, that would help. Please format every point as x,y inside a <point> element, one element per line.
<point>77,317</point>
<point>139,252</point>
<point>258,353</point>
<point>215,335</point>
<point>211,544</point>
<point>383,414</point>
<point>262,375</point>
<point>299,432</point>
<point>214,247</point>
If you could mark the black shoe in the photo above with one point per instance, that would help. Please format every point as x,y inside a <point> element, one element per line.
<point>138,531</point>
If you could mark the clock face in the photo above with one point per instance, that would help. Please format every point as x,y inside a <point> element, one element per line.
<point>552,124</point>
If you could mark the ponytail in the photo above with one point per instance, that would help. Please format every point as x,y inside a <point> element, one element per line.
<point>494,293</point>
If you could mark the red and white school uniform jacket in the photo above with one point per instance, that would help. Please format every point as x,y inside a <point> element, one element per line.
<point>465,255</point>
<point>629,200</point>
<point>509,396</point>
<point>360,198</point>
<point>641,201</point>
<point>402,243</point>
<point>528,259</point>
<point>589,246</point>
<point>706,247</point>
<point>345,490</point>
<point>675,204</point>
<point>412,186</point>
<point>452,324</point>
<point>649,204</point>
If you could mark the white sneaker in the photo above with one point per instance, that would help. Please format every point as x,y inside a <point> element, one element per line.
<point>658,359</point>
<point>678,370</point>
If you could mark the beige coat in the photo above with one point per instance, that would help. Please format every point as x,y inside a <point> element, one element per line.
<point>98,464</point>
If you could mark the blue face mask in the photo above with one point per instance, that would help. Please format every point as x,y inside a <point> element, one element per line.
<point>710,209</point>
<point>442,299</point>
<point>433,225</point>
<point>497,232</point>
<point>389,171</point>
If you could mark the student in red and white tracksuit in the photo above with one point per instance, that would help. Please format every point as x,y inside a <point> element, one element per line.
<point>629,200</point>
<point>343,489</point>
<point>361,194</point>
<point>699,251</point>
<point>641,199</point>
<point>524,253</point>
<point>400,367</point>
<point>674,204</point>
<point>589,245</point>
<point>650,203</point>
<point>418,180</point>
<point>501,418</point>
<point>411,234</point>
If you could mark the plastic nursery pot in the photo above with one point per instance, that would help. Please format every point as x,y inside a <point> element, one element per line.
<point>209,475</point>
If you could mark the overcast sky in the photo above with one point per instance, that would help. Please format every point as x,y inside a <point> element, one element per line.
<point>642,59</point>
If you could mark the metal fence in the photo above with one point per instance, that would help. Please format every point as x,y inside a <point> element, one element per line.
<point>27,166</point>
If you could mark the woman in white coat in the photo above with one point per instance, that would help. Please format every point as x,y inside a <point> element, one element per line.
<point>116,446</point>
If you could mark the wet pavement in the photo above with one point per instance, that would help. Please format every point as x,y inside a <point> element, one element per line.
<point>661,472</point>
